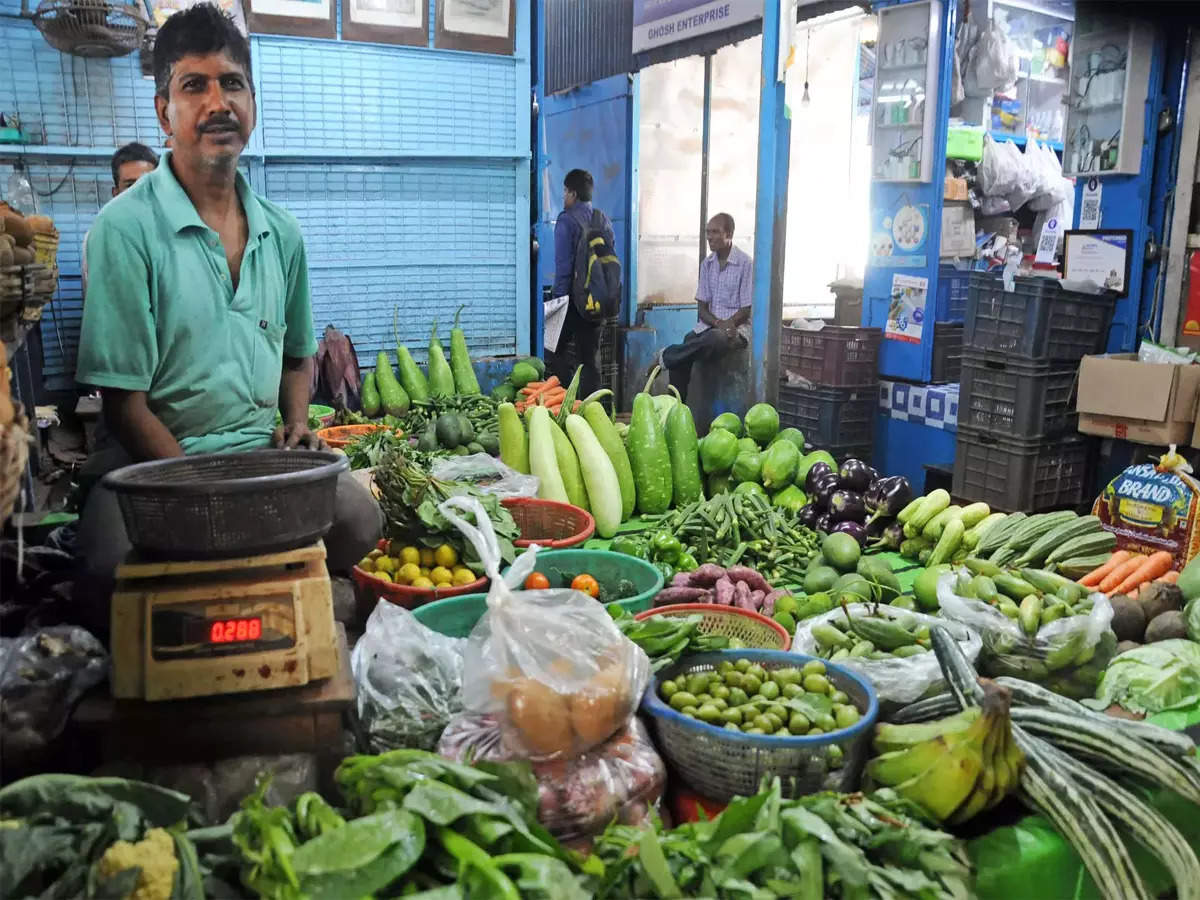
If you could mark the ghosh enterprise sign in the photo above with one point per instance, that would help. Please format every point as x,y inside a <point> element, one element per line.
<point>659,22</point>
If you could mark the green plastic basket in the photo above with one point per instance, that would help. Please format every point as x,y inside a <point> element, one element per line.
<point>456,616</point>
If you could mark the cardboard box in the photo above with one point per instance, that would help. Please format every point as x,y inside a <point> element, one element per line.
<point>1147,403</point>
<point>958,230</point>
<point>955,189</point>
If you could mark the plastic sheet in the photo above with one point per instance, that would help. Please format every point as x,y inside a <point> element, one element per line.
<point>488,474</point>
<point>409,680</point>
<point>895,680</point>
<point>621,779</point>
<point>1066,656</point>
<point>550,665</point>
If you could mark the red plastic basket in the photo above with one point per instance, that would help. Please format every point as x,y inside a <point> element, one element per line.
<point>407,596</point>
<point>756,630</point>
<point>550,524</point>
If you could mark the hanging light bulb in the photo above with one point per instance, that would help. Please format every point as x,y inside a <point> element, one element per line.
<point>805,99</point>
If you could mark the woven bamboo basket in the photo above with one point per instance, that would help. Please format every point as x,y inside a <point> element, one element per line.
<point>14,451</point>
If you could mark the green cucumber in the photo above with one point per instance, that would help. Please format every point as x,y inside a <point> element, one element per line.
<point>649,456</point>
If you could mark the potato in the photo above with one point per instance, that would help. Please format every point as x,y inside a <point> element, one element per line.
<point>1159,597</point>
<point>40,224</point>
<point>1166,626</point>
<point>540,718</point>
<point>18,228</point>
<point>602,707</point>
<point>1129,619</point>
<point>1126,645</point>
<point>22,256</point>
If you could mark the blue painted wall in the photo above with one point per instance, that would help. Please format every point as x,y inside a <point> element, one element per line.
<point>408,168</point>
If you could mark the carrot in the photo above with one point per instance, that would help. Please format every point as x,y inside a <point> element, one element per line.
<point>1170,578</point>
<point>1120,573</point>
<point>1152,567</point>
<point>1094,577</point>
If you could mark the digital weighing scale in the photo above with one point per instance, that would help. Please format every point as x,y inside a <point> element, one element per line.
<point>199,628</point>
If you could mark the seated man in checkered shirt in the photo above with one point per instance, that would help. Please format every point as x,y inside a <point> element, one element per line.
<point>723,300</point>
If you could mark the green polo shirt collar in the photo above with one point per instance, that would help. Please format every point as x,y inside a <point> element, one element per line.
<point>180,213</point>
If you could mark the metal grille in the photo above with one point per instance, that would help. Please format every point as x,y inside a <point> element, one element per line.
<point>586,41</point>
<point>429,236</point>
<point>65,100</point>
<point>336,96</point>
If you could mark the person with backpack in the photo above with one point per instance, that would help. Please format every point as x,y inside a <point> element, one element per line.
<point>587,271</point>
<point>723,300</point>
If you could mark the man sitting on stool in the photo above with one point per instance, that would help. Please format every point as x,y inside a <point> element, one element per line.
<point>723,300</point>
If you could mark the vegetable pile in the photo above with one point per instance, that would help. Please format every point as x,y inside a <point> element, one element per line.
<point>744,696</point>
<point>820,846</point>
<point>871,636</point>
<point>738,586</point>
<point>853,499</point>
<point>666,638</point>
<point>932,531</point>
<point>420,567</point>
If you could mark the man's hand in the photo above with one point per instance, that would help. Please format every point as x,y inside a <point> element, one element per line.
<point>288,437</point>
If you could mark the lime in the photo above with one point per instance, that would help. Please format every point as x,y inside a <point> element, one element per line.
<point>427,558</point>
<point>423,583</point>
<point>367,564</point>
<point>410,555</point>
<point>409,572</point>
<point>445,555</point>
<point>385,564</point>
<point>441,575</point>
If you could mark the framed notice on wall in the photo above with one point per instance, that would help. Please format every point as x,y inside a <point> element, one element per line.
<point>386,21</point>
<point>302,18</point>
<point>1102,257</point>
<point>485,26</point>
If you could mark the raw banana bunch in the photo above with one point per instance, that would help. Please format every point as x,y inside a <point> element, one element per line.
<point>953,768</point>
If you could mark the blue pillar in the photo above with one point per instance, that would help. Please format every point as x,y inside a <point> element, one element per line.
<point>770,213</point>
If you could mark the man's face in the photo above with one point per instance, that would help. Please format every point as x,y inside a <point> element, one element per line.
<point>129,172</point>
<point>569,198</point>
<point>718,238</point>
<point>209,110</point>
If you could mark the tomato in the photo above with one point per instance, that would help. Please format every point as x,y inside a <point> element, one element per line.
<point>587,585</point>
<point>536,582</point>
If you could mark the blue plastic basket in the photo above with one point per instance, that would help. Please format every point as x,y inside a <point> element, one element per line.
<point>720,764</point>
<point>954,287</point>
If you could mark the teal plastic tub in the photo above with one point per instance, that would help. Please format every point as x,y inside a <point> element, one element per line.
<point>456,616</point>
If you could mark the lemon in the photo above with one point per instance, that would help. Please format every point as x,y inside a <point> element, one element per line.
<point>423,572</point>
<point>375,554</point>
<point>463,576</point>
<point>383,576</point>
<point>408,573</point>
<point>411,555</point>
<point>367,564</point>
<point>427,560</point>
<point>441,575</point>
<point>422,582</point>
<point>385,564</point>
<point>445,555</point>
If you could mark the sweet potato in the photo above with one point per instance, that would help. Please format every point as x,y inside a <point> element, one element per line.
<point>675,594</point>
<point>757,597</point>
<point>723,589</point>
<point>755,581</point>
<point>706,576</point>
<point>768,604</point>
<point>682,579</point>
<point>741,596</point>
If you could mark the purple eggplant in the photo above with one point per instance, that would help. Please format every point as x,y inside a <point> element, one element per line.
<point>808,515</point>
<point>888,497</point>
<point>856,475</point>
<point>891,538</point>
<point>856,530</point>
<point>875,527</point>
<point>824,523</point>
<point>824,489</point>
<point>847,506</point>
<point>814,473</point>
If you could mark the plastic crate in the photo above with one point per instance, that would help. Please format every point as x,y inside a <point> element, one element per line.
<point>835,356</point>
<point>843,452</point>
<point>1012,474</point>
<point>829,415</point>
<point>1037,320</point>
<point>947,352</point>
<point>1017,398</point>
<point>954,287</point>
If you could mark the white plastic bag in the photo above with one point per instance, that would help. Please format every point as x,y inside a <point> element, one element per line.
<point>409,680</point>
<point>550,665</point>
<point>621,779</point>
<point>488,474</point>
<point>896,680</point>
<point>1067,656</point>
<point>994,63</point>
<point>1000,169</point>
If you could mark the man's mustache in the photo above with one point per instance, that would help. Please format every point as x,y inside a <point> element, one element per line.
<point>219,123</point>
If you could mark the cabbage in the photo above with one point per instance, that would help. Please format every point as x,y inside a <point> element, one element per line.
<point>1152,678</point>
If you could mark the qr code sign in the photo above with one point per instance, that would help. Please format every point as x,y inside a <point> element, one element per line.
<point>1090,211</point>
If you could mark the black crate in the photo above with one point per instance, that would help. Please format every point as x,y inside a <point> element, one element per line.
<point>1037,320</point>
<point>1018,398</point>
<point>843,452</point>
<point>835,356</point>
<point>1012,474</point>
<point>947,352</point>
<point>829,415</point>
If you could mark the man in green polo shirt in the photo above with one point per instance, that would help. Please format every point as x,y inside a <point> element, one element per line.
<point>198,322</point>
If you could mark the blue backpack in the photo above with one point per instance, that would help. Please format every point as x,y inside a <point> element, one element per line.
<point>596,292</point>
